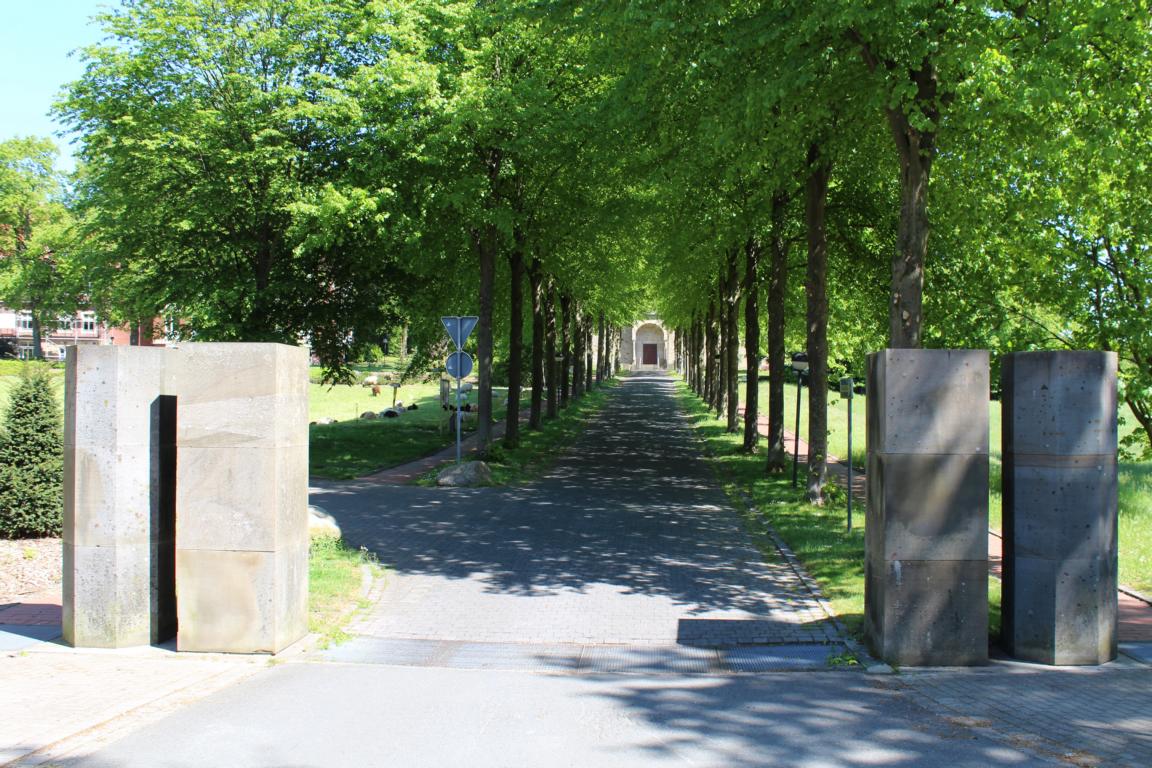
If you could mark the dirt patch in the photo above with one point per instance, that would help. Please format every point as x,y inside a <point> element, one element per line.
<point>28,566</point>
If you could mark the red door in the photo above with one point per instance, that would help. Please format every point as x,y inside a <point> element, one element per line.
<point>649,355</point>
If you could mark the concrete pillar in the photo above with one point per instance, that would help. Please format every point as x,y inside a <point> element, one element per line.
<point>926,547</point>
<point>111,395</point>
<point>1060,506</point>
<point>218,434</point>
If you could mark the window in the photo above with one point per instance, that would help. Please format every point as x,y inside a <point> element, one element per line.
<point>24,322</point>
<point>65,323</point>
<point>88,322</point>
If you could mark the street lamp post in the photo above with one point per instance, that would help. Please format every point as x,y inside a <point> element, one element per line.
<point>800,365</point>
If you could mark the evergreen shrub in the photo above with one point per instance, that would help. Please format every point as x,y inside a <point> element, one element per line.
<point>31,460</point>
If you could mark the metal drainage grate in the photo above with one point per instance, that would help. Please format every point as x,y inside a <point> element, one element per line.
<point>593,659</point>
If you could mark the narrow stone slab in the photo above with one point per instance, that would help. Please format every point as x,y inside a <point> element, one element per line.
<point>1060,507</point>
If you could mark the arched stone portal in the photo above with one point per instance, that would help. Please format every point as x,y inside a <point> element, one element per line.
<point>647,346</point>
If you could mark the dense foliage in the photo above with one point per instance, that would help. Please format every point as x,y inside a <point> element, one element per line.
<point>31,460</point>
<point>823,176</point>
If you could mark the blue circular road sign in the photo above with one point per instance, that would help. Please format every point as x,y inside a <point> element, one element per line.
<point>459,364</point>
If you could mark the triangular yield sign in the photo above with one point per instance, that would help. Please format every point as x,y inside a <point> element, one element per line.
<point>459,328</point>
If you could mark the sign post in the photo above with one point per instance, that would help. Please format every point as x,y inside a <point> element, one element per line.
<point>846,384</point>
<point>459,363</point>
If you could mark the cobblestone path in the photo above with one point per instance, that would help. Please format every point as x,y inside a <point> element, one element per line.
<point>627,541</point>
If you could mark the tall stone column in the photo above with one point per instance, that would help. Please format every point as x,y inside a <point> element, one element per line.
<point>111,447</point>
<point>926,545</point>
<point>186,483</point>
<point>1060,506</point>
<point>241,496</point>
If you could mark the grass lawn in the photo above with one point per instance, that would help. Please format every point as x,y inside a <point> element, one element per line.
<point>352,448</point>
<point>334,579</point>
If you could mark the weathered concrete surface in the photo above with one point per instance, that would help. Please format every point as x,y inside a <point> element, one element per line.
<point>1060,506</point>
<point>227,521</point>
<point>926,569</point>
<point>109,507</point>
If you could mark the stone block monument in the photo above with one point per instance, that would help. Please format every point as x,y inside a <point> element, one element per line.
<point>926,545</point>
<point>1060,506</point>
<point>186,472</point>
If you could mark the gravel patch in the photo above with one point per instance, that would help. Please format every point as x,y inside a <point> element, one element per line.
<point>28,566</point>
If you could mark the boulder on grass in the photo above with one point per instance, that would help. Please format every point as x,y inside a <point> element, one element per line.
<point>466,475</point>
<point>320,523</point>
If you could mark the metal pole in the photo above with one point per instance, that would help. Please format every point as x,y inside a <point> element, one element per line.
<point>849,461</point>
<point>796,434</point>
<point>458,420</point>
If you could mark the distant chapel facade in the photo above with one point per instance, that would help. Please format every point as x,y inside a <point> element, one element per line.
<point>647,345</point>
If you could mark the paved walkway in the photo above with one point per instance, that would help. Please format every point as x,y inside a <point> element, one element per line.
<point>627,541</point>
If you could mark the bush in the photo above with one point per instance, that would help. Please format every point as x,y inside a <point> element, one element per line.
<point>31,460</point>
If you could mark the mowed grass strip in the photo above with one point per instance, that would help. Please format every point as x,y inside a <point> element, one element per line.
<point>539,449</point>
<point>335,576</point>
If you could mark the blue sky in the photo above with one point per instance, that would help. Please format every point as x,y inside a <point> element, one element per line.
<point>36,37</point>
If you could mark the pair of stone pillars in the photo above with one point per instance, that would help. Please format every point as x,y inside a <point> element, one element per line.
<point>926,583</point>
<point>185,496</point>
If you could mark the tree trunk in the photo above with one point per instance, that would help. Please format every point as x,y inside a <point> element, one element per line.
<point>551,372</point>
<point>588,351</point>
<point>698,357</point>
<point>577,354</point>
<point>777,295</point>
<point>37,336</point>
<point>706,394</point>
<point>487,254</point>
<point>601,349</point>
<point>732,331</point>
<point>752,344</point>
<point>537,397</point>
<point>565,349</point>
<point>1142,410</point>
<point>905,316</point>
<point>816,286</point>
<point>720,393</point>
<point>515,341</point>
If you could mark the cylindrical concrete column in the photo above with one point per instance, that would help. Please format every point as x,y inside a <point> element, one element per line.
<point>926,545</point>
<point>1060,506</point>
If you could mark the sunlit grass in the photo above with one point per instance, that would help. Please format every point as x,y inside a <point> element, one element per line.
<point>354,448</point>
<point>538,449</point>
<point>335,576</point>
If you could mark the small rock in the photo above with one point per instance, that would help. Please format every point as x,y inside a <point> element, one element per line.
<point>369,415</point>
<point>326,420</point>
<point>413,407</point>
<point>880,669</point>
<point>389,413</point>
<point>320,523</point>
<point>466,475</point>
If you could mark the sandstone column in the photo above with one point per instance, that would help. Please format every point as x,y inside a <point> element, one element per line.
<point>241,495</point>
<point>111,448</point>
